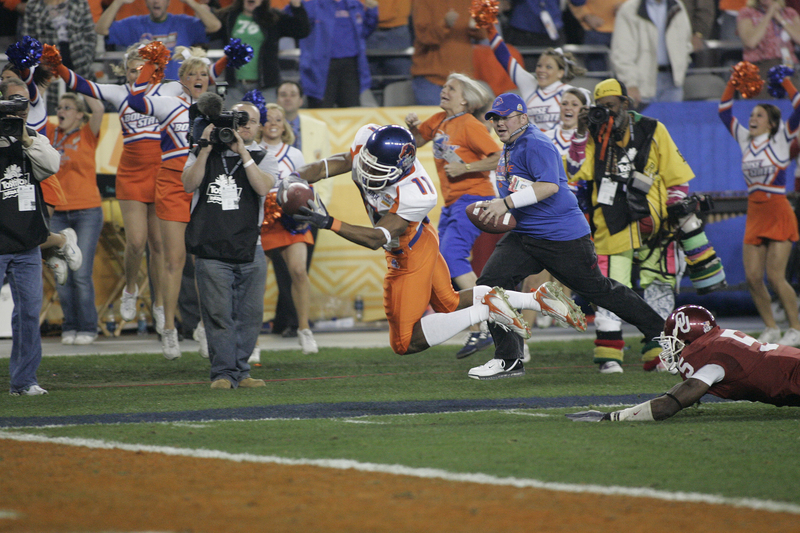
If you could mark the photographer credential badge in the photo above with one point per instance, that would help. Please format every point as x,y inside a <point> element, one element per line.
<point>224,191</point>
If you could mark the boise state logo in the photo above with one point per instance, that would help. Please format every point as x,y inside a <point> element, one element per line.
<point>406,157</point>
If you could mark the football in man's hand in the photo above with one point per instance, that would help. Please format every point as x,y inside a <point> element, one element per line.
<point>505,223</point>
<point>294,196</point>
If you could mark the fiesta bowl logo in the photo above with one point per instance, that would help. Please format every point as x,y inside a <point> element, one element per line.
<point>214,190</point>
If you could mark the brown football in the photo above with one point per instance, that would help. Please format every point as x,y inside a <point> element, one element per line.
<point>295,196</point>
<point>505,223</point>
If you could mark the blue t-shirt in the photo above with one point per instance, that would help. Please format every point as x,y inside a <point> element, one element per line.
<point>176,30</point>
<point>534,157</point>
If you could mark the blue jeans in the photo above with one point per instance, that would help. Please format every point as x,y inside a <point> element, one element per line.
<point>77,294</point>
<point>397,39</point>
<point>426,92</point>
<point>24,274</point>
<point>232,307</point>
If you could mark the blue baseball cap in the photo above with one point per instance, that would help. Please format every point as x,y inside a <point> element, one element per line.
<point>505,104</point>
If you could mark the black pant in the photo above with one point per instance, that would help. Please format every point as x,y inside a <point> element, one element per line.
<point>343,87</point>
<point>574,264</point>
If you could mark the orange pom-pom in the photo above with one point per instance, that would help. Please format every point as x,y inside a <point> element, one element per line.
<point>272,211</point>
<point>51,57</point>
<point>746,79</point>
<point>484,12</point>
<point>157,54</point>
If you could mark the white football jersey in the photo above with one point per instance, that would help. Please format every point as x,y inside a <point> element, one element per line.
<point>411,198</point>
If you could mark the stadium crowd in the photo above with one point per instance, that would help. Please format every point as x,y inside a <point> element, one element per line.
<point>626,173</point>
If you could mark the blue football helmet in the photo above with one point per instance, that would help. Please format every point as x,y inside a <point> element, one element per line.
<point>387,156</point>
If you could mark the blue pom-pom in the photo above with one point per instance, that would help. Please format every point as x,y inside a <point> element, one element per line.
<point>25,54</point>
<point>775,78</point>
<point>256,98</point>
<point>239,53</point>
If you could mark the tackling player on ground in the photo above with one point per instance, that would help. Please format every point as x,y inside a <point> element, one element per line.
<point>711,360</point>
<point>398,195</point>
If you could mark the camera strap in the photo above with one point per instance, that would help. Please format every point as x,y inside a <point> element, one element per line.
<point>225,166</point>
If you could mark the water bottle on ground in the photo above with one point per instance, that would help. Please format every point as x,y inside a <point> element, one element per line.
<point>111,320</point>
<point>358,305</point>
<point>141,325</point>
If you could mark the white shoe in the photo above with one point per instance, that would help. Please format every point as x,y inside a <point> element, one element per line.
<point>85,338</point>
<point>255,357</point>
<point>770,335</point>
<point>158,318</point>
<point>307,342</point>
<point>611,367</point>
<point>127,307</point>
<point>68,337</point>
<point>70,250</point>
<point>544,321</point>
<point>555,303</point>
<point>200,336</point>
<point>58,265</point>
<point>33,390</point>
<point>526,353</point>
<point>169,344</point>
<point>502,314</point>
<point>498,368</point>
<point>790,338</point>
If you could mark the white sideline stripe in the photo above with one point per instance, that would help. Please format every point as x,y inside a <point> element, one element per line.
<point>431,473</point>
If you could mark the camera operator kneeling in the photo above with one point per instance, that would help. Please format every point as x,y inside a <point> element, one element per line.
<point>229,182</point>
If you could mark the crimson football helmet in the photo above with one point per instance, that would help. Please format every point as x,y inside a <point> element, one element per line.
<point>684,325</point>
<point>387,156</point>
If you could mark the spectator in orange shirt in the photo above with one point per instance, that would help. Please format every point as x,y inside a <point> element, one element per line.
<point>76,138</point>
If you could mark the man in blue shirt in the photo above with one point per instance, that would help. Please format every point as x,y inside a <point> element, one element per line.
<point>159,25</point>
<point>551,234</point>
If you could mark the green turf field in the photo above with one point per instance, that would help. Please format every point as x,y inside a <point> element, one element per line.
<point>736,450</point>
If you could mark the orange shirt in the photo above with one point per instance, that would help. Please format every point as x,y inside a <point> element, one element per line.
<point>463,138</point>
<point>78,174</point>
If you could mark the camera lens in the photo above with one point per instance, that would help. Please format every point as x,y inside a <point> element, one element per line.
<point>226,135</point>
<point>598,115</point>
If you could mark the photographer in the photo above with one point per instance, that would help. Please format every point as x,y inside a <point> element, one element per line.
<point>26,158</point>
<point>229,181</point>
<point>629,171</point>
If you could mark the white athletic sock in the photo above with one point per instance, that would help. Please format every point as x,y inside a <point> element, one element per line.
<point>522,300</point>
<point>440,327</point>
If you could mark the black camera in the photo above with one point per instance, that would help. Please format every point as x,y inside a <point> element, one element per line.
<point>598,115</point>
<point>225,124</point>
<point>10,125</point>
<point>698,204</point>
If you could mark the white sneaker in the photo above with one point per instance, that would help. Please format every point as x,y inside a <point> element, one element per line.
<point>127,307</point>
<point>790,338</point>
<point>85,338</point>
<point>611,367</point>
<point>544,321</point>
<point>770,335</point>
<point>526,353</point>
<point>200,336</point>
<point>68,337</point>
<point>158,318</point>
<point>58,265</point>
<point>502,314</point>
<point>555,303</point>
<point>255,357</point>
<point>498,368</point>
<point>33,390</point>
<point>169,344</point>
<point>307,342</point>
<point>70,250</point>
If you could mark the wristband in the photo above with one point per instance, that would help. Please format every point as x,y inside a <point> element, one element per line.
<point>526,196</point>
<point>506,204</point>
<point>668,395</point>
<point>385,233</point>
<point>336,225</point>
<point>248,163</point>
<point>326,169</point>
<point>637,413</point>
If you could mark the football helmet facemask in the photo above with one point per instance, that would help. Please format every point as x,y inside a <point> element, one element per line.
<point>684,325</point>
<point>387,156</point>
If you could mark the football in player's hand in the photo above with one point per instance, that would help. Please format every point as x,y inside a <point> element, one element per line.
<point>505,223</point>
<point>294,196</point>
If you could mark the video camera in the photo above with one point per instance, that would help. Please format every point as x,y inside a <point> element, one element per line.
<point>10,125</point>
<point>209,109</point>
<point>695,204</point>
